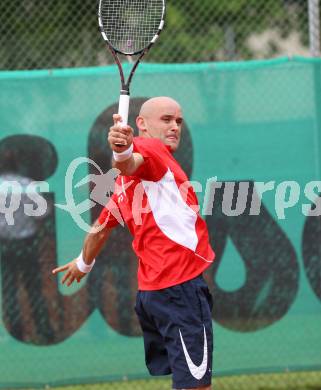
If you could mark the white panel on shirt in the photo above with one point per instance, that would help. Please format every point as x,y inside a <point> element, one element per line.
<point>172,215</point>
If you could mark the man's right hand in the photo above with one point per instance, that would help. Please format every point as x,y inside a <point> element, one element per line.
<point>120,135</point>
<point>72,273</point>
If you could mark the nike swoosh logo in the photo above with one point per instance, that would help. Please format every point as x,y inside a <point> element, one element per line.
<point>197,371</point>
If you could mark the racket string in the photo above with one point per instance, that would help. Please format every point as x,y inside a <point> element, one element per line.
<point>130,25</point>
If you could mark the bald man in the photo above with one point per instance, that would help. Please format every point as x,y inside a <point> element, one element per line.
<point>171,241</point>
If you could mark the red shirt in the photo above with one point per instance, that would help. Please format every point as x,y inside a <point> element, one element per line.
<point>160,209</point>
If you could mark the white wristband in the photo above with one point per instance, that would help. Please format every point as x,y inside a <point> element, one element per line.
<point>123,156</point>
<point>82,266</point>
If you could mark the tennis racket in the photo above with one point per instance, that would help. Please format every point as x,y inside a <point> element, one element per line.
<point>130,28</point>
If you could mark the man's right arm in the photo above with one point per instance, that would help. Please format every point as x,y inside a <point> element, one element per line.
<point>93,245</point>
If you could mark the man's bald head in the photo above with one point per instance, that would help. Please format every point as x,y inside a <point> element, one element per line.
<point>151,106</point>
<point>161,117</point>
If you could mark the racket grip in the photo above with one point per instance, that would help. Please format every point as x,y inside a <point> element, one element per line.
<point>123,107</point>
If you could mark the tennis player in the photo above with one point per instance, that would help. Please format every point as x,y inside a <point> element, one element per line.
<point>170,240</point>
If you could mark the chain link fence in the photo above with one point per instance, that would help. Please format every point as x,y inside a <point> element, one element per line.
<point>245,122</point>
<point>254,121</point>
<point>39,34</point>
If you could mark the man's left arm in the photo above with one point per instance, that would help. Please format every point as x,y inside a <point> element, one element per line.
<point>120,139</point>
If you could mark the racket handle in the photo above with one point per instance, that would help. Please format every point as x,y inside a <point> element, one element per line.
<point>123,107</point>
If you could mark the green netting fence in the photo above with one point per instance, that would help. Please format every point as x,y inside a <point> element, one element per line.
<point>254,122</point>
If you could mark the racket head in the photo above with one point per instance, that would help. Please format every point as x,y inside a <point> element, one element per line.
<point>131,26</point>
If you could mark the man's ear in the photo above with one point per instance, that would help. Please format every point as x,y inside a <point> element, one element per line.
<point>140,123</point>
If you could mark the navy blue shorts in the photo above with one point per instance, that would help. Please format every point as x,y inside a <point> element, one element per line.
<point>178,334</point>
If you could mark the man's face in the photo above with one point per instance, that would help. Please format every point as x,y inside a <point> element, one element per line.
<point>164,121</point>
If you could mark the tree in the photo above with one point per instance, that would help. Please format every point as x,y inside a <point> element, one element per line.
<point>53,33</point>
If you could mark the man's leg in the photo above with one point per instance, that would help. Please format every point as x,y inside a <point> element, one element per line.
<point>182,315</point>
<point>156,357</point>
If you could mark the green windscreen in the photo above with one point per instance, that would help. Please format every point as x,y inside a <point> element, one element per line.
<point>247,126</point>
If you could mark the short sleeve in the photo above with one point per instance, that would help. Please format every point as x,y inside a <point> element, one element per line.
<point>110,216</point>
<point>155,155</point>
